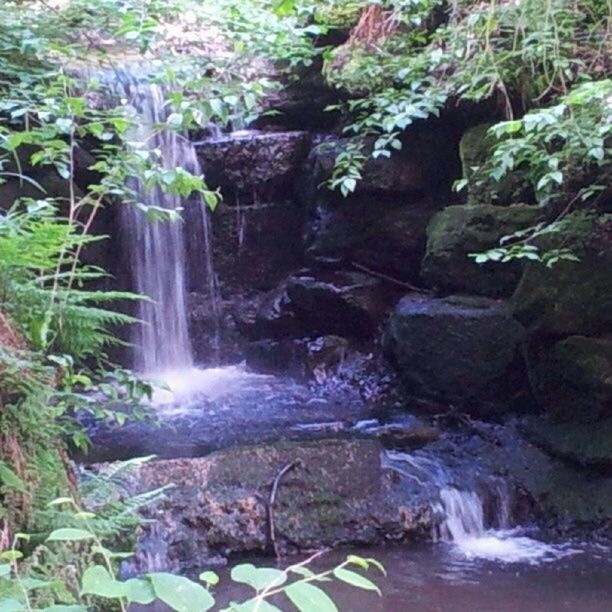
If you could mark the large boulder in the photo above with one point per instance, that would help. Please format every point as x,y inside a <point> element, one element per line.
<point>475,148</point>
<point>253,162</point>
<point>312,304</point>
<point>383,236</point>
<point>571,298</point>
<point>335,492</point>
<point>587,445</point>
<point>458,350</point>
<point>573,378</point>
<point>457,231</point>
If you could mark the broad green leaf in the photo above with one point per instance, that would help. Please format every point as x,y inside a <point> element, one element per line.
<point>5,569</point>
<point>355,579</point>
<point>139,591</point>
<point>181,594</point>
<point>308,598</point>
<point>258,577</point>
<point>11,605</point>
<point>11,555</point>
<point>69,534</point>
<point>98,581</point>
<point>254,605</point>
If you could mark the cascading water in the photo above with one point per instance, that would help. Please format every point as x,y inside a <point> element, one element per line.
<point>156,250</point>
<point>463,521</point>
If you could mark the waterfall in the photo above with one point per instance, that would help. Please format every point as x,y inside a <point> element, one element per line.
<point>475,521</point>
<point>156,250</point>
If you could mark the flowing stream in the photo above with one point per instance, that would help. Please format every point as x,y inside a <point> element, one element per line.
<point>477,541</point>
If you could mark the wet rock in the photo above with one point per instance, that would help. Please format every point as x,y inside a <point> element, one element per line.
<point>573,379</point>
<point>336,493</point>
<point>475,149</point>
<point>457,231</point>
<point>571,297</point>
<point>349,304</point>
<point>426,164</point>
<point>282,356</point>
<point>253,162</point>
<point>408,437</point>
<point>325,355</point>
<point>388,237</point>
<point>460,350</point>
<point>588,445</point>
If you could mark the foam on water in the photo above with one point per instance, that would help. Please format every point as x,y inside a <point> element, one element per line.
<point>180,385</point>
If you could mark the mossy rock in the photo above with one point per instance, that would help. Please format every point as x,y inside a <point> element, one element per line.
<point>457,231</point>
<point>460,350</point>
<point>588,445</point>
<point>474,150</point>
<point>336,492</point>
<point>573,379</point>
<point>572,297</point>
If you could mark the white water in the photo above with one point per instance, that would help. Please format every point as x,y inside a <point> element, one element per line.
<point>463,525</point>
<point>156,250</point>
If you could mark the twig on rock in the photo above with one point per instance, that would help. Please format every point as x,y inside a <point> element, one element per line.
<point>389,279</point>
<point>464,419</point>
<point>272,500</point>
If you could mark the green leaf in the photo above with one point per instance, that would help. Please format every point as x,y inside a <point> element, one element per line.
<point>139,591</point>
<point>11,555</point>
<point>69,534</point>
<point>98,581</point>
<point>11,605</point>
<point>180,593</point>
<point>355,579</point>
<point>61,608</point>
<point>258,578</point>
<point>61,500</point>
<point>308,598</point>
<point>10,479</point>
<point>5,569</point>
<point>211,578</point>
<point>254,605</point>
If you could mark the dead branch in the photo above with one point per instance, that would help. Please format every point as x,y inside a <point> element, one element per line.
<point>389,279</point>
<point>272,499</point>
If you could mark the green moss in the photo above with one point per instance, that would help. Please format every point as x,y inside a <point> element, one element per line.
<point>457,231</point>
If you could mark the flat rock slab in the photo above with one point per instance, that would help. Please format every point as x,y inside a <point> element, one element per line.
<point>336,493</point>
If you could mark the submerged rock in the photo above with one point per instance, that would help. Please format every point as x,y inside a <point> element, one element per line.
<point>321,303</point>
<point>335,493</point>
<point>460,350</point>
<point>457,231</point>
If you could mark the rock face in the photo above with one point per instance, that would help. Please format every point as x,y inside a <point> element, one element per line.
<point>474,149</point>
<point>384,236</point>
<point>316,304</point>
<point>457,231</point>
<point>587,445</point>
<point>573,379</point>
<point>569,298</point>
<point>251,161</point>
<point>336,492</point>
<point>458,350</point>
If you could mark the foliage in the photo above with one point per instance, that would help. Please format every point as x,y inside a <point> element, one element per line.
<point>76,569</point>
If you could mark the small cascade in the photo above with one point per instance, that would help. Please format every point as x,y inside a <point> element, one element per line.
<point>476,520</point>
<point>156,250</point>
